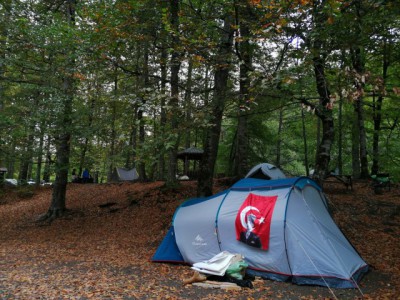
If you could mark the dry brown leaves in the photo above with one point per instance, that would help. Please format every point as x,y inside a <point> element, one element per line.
<point>102,248</point>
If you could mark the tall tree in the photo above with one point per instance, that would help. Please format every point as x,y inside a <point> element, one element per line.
<point>174,82</point>
<point>383,61</point>
<point>141,166</point>
<point>63,137</point>
<point>163,115</point>
<point>244,50</point>
<point>377,105</point>
<point>4,23</point>
<point>222,68</point>
<point>358,61</point>
<point>324,112</point>
<point>113,132</point>
<point>188,112</point>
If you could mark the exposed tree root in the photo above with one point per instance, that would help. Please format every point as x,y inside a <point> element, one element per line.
<point>52,214</point>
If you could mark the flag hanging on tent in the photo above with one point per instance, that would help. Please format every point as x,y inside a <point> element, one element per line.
<point>253,220</point>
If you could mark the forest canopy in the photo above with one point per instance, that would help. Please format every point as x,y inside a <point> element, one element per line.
<point>129,83</point>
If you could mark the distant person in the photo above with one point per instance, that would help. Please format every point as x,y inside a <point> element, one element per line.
<point>85,176</point>
<point>74,177</point>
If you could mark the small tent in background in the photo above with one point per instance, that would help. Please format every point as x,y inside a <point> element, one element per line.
<point>282,228</point>
<point>265,171</point>
<point>121,174</point>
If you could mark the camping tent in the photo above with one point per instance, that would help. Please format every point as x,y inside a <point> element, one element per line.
<point>282,228</point>
<point>265,171</point>
<point>122,174</point>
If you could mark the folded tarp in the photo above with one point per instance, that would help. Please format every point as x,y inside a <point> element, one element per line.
<point>217,265</point>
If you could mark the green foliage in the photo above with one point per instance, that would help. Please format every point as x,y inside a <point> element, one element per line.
<point>114,79</point>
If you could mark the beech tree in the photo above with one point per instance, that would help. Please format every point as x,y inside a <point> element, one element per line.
<point>221,73</point>
<point>64,118</point>
<point>244,50</point>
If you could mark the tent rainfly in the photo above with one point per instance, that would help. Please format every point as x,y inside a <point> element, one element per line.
<point>282,228</point>
<point>265,171</point>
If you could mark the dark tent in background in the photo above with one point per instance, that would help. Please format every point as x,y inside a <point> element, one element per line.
<point>265,171</point>
<point>121,174</point>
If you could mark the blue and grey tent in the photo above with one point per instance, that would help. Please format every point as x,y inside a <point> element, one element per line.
<point>282,227</point>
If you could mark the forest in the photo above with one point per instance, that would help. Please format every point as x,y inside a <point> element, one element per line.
<point>301,84</point>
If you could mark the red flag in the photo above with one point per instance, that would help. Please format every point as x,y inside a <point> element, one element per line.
<point>253,220</point>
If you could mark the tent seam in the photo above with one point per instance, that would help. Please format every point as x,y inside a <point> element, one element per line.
<point>216,219</point>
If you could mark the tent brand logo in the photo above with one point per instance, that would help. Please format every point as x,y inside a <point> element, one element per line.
<point>199,241</point>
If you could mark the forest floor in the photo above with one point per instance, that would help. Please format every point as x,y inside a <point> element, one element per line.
<point>102,248</point>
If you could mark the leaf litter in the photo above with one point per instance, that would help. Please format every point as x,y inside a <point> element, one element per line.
<point>102,248</point>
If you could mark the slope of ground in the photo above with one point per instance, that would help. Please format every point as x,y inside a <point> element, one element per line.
<point>102,248</point>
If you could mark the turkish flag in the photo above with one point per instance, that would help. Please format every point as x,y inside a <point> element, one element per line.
<point>253,220</point>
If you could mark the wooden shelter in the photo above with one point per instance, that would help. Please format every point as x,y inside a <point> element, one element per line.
<point>187,155</point>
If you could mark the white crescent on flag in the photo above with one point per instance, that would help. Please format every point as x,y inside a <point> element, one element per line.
<point>243,216</point>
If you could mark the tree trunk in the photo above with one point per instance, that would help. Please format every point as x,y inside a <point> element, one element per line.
<point>40,154</point>
<point>377,111</point>
<point>85,145</point>
<point>134,135</point>
<point>48,161</point>
<point>340,137</point>
<point>174,100</point>
<point>324,109</point>
<point>377,128</point>
<point>58,203</point>
<point>279,141</point>
<point>113,133</point>
<point>324,114</point>
<point>355,147</point>
<point>3,41</point>
<point>26,159</point>
<point>340,118</point>
<point>142,135</point>
<point>163,115</point>
<point>324,148</point>
<point>358,60</point>
<point>245,55</point>
<point>27,156</point>
<point>188,114</point>
<point>207,164</point>
<point>358,64</point>
<point>306,161</point>
<point>363,138</point>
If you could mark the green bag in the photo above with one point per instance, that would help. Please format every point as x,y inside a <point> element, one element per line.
<point>237,269</point>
